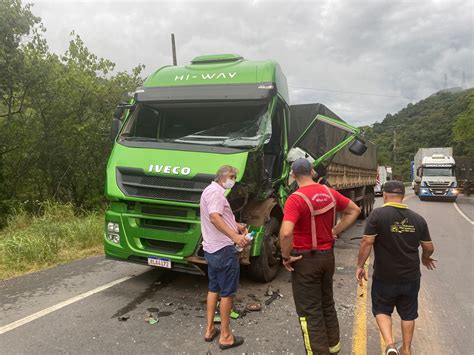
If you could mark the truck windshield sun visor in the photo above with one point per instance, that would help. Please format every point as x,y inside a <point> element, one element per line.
<point>230,124</point>
<point>206,92</point>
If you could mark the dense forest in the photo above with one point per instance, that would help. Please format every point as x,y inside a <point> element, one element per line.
<point>445,119</point>
<point>55,115</point>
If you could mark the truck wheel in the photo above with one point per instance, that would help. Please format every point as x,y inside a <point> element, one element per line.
<point>370,203</point>
<point>265,266</point>
<point>363,208</point>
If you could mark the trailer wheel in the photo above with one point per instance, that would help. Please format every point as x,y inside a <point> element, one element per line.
<point>371,203</point>
<point>265,267</point>
<point>363,208</point>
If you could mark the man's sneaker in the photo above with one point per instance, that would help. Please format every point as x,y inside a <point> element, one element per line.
<point>399,346</point>
<point>391,350</point>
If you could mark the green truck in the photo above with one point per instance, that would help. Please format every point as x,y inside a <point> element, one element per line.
<point>187,121</point>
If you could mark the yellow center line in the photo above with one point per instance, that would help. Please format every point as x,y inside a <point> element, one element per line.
<point>359,332</point>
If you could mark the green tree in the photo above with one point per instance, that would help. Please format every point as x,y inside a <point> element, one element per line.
<point>55,114</point>
<point>463,130</point>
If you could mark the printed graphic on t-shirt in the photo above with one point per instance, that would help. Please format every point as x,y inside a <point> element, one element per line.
<point>321,197</point>
<point>402,227</point>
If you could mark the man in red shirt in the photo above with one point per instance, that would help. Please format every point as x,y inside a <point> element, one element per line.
<point>307,238</point>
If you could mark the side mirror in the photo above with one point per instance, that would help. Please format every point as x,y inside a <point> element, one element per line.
<point>358,147</point>
<point>118,113</point>
<point>115,128</point>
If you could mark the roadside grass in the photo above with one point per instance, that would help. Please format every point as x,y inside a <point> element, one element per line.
<point>57,235</point>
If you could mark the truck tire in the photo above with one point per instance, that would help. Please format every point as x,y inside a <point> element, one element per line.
<point>364,207</point>
<point>370,203</point>
<point>265,267</point>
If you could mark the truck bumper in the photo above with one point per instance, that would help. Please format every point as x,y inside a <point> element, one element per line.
<point>428,194</point>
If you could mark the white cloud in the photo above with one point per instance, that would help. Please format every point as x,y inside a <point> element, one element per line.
<point>400,49</point>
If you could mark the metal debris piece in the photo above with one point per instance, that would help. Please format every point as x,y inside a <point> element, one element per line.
<point>123,318</point>
<point>168,303</point>
<point>269,291</point>
<point>275,295</point>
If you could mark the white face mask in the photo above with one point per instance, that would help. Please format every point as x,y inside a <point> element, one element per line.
<point>228,184</point>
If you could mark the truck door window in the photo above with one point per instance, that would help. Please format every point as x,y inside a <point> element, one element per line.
<point>273,150</point>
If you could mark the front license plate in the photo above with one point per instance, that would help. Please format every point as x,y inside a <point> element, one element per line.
<point>160,262</point>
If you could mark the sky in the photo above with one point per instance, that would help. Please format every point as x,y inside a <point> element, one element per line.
<point>362,59</point>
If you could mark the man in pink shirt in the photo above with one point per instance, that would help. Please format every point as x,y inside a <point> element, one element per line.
<point>220,233</point>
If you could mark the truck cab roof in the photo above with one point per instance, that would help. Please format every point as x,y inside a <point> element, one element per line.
<point>219,77</point>
<point>438,159</point>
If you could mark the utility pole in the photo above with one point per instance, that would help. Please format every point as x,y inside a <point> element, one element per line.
<point>463,85</point>
<point>445,81</point>
<point>394,148</point>
<point>173,49</point>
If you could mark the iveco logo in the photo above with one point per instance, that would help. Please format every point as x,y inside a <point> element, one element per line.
<point>168,169</point>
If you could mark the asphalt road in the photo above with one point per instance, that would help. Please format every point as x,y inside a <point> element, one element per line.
<point>80,307</point>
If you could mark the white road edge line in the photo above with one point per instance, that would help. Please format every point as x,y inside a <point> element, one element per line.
<point>32,317</point>
<point>462,213</point>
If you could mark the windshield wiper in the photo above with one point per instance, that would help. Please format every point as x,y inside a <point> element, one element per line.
<point>140,139</point>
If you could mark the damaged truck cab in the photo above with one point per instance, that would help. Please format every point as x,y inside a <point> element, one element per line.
<point>179,128</point>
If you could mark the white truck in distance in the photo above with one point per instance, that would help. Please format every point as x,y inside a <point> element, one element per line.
<point>384,174</point>
<point>435,174</point>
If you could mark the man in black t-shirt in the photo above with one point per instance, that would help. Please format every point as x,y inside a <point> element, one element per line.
<point>395,233</point>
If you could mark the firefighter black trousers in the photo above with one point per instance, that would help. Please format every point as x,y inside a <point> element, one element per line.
<point>312,282</point>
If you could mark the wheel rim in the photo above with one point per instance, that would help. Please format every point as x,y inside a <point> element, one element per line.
<point>273,255</point>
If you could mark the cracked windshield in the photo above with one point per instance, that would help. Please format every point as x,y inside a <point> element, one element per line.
<point>238,125</point>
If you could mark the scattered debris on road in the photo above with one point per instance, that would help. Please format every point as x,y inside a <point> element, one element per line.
<point>152,315</point>
<point>274,296</point>
<point>123,318</point>
<point>253,307</point>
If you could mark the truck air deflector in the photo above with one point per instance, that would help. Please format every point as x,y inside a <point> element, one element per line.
<point>217,58</point>
<point>259,91</point>
<point>134,182</point>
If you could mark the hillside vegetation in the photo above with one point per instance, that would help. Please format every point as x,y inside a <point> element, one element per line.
<point>55,116</point>
<point>445,119</point>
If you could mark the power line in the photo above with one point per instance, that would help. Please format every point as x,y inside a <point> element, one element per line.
<point>354,92</point>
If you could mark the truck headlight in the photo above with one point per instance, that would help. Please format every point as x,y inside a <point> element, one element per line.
<point>114,238</point>
<point>455,191</point>
<point>113,227</point>
<point>424,191</point>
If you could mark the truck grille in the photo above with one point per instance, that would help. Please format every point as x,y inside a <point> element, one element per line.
<point>438,188</point>
<point>163,246</point>
<point>134,182</point>
<point>165,225</point>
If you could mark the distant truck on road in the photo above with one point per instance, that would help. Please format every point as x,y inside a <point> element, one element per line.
<point>384,174</point>
<point>434,170</point>
<point>187,121</point>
